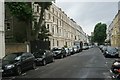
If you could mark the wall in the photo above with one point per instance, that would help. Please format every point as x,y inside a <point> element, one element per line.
<point>2,39</point>
<point>15,47</point>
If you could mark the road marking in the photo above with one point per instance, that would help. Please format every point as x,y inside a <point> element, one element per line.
<point>109,77</point>
<point>23,74</point>
<point>36,68</point>
<point>111,71</point>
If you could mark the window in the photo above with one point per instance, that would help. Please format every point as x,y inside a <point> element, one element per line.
<point>37,8</point>
<point>60,23</point>
<point>53,42</point>
<point>75,38</point>
<point>53,10</point>
<point>56,13</point>
<point>60,32</point>
<point>66,43</point>
<point>57,21</point>
<point>57,43</point>
<point>57,29</point>
<point>53,29</point>
<point>53,19</point>
<point>47,26</point>
<point>49,16</point>
<point>60,16</point>
<point>8,26</point>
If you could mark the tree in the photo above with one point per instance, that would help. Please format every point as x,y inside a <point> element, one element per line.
<point>23,12</point>
<point>100,33</point>
<point>44,6</point>
<point>44,33</point>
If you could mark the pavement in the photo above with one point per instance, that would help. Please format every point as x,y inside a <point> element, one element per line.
<point>87,64</point>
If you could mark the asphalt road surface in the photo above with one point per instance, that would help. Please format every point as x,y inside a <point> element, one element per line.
<point>86,64</point>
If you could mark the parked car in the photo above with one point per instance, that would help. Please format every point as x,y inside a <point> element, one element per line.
<point>67,51</point>
<point>16,63</point>
<point>76,49</point>
<point>101,46</point>
<point>43,57</point>
<point>111,52</point>
<point>103,49</point>
<point>115,66</point>
<point>71,49</point>
<point>90,46</point>
<point>85,47</point>
<point>59,52</point>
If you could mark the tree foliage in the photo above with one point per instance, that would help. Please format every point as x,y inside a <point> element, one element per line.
<point>23,12</point>
<point>44,6</point>
<point>44,33</point>
<point>100,33</point>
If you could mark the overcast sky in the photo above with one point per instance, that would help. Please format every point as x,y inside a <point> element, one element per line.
<point>87,13</point>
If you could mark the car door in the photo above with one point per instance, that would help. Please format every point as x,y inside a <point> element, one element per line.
<point>24,61</point>
<point>47,55</point>
<point>30,59</point>
<point>50,55</point>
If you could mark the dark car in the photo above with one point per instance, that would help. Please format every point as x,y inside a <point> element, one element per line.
<point>17,63</point>
<point>111,52</point>
<point>103,49</point>
<point>59,52</point>
<point>43,57</point>
<point>115,65</point>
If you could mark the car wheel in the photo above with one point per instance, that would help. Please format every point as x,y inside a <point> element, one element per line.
<point>44,62</point>
<point>18,70</point>
<point>61,56</point>
<point>34,66</point>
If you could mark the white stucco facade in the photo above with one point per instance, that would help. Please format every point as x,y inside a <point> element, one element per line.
<point>64,30</point>
<point>2,37</point>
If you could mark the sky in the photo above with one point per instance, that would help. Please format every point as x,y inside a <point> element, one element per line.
<point>88,13</point>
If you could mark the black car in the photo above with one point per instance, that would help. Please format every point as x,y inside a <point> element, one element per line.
<point>115,65</point>
<point>111,52</point>
<point>59,52</point>
<point>16,63</point>
<point>43,57</point>
<point>103,49</point>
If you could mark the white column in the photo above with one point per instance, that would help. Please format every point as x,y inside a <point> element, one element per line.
<point>2,32</point>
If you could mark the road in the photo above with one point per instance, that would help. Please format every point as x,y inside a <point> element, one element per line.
<point>86,64</point>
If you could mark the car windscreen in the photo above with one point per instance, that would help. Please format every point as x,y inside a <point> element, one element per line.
<point>110,49</point>
<point>10,57</point>
<point>39,54</point>
<point>57,49</point>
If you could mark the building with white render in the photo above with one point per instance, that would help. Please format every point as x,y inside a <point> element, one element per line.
<point>64,30</point>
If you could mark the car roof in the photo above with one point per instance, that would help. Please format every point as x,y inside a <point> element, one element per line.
<point>18,53</point>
